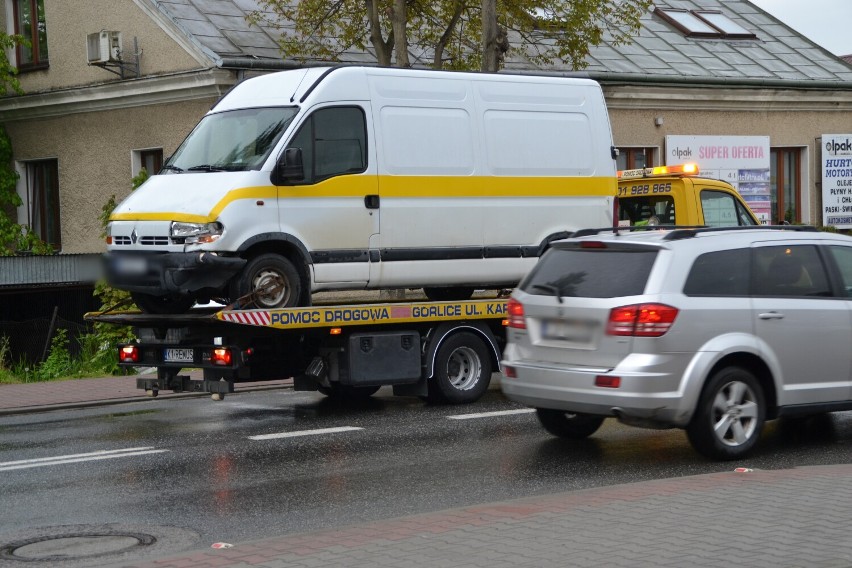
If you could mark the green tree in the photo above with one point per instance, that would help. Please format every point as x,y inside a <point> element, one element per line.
<point>458,34</point>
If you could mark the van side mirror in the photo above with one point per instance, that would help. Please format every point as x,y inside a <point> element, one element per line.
<point>289,168</point>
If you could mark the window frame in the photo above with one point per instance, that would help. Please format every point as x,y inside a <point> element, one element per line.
<point>49,232</point>
<point>37,59</point>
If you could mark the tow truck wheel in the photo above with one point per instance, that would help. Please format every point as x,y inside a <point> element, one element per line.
<point>462,370</point>
<point>162,304</point>
<point>271,280</point>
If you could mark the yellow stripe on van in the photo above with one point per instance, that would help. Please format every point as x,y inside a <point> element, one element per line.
<point>400,187</point>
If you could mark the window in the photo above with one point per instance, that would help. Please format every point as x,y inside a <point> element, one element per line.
<point>843,258</point>
<point>634,158</point>
<point>789,271</point>
<point>29,22</point>
<point>642,210</point>
<point>785,181</point>
<point>720,209</point>
<point>41,184</point>
<point>704,23</point>
<point>722,273</point>
<point>151,159</point>
<point>590,273</point>
<point>333,142</point>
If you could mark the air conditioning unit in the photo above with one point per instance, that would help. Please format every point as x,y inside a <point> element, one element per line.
<point>103,47</point>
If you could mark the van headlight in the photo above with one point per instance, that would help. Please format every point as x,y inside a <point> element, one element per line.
<point>196,233</point>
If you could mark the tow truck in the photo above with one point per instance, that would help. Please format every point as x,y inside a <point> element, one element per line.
<point>439,351</point>
<point>679,195</point>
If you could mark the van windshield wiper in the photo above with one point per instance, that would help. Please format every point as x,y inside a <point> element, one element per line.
<point>549,288</point>
<point>204,168</point>
<point>172,168</point>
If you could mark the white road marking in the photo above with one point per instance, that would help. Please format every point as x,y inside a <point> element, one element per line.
<point>304,433</point>
<point>490,414</point>
<point>76,458</point>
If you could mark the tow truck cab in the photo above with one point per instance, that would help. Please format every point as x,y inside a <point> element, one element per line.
<point>677,195</point>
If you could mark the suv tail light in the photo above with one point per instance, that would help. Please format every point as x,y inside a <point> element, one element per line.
<point>516,314</point>
<point>641,320</point>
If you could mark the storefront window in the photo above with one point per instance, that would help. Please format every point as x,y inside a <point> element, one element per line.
<point>785,178</point>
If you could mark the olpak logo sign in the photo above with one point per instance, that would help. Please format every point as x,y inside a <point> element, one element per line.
<point>838,145</point>
<point>837,180</point>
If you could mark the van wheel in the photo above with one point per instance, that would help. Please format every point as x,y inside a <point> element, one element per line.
<point>729,415</point>
<point>271,280</point>
<point>462,370</point>
<point>455,294</point>
<point>570,425</point>
<point>162,304</point>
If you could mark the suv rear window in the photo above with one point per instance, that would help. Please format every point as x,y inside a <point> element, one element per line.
<point>590,273</point>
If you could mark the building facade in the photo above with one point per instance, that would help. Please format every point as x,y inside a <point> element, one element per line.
<point>112,86</point>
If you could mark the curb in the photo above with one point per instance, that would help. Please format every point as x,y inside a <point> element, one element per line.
<point>140,398</point>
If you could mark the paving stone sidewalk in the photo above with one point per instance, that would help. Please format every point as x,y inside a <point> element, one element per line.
<point>785,518</point>
<point>55,395</point>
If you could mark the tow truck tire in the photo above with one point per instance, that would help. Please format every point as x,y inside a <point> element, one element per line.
<point>569,425</point>
<point>162,304</point>
<point>454,294</point>
<point>462,370</point>
<point>262,271</point>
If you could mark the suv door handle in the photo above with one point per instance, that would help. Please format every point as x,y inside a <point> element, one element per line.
<point>770,316</point>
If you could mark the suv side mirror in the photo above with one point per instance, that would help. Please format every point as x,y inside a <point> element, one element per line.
<point>289,168</point>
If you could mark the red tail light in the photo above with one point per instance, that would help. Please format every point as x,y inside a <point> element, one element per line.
<point>128,354</point>
<point>221,356</point>
<point>641,320</point>
<point>516,314</point>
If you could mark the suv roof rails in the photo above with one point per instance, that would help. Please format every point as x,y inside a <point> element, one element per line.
<point>617,230</point>
<point>684,233</point>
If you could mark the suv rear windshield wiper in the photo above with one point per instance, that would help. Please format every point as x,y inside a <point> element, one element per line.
<point>549,288</point>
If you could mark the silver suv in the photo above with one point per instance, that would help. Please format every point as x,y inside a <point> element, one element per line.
<point>710,330</point>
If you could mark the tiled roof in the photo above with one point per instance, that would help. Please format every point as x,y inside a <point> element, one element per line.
<point>660,50</point>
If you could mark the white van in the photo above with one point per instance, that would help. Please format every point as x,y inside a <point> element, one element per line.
<point>357,177</point>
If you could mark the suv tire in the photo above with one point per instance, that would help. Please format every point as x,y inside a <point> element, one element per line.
<point>570,425</point>
<point>729,416</point>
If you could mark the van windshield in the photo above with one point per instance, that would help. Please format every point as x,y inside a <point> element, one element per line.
<point>234,140</point>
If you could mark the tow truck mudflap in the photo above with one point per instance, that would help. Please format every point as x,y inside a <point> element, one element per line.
<point>183,383</point>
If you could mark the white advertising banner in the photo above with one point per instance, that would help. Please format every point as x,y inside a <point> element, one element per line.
<point>742,161</point>
<point>837,180</point>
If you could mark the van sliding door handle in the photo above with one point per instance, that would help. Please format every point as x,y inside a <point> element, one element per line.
<point>371,201</point>
<point>770,316</point>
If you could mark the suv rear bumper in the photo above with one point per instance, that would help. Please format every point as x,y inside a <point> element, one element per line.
<point>170,273</point>
<point>574,390</point>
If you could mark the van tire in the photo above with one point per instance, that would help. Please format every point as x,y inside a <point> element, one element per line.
<point>734,398</point>
<point>261,272</point>
<point>462,370</point>
<point>455,294</point>
<point>162,304</point>
<point>569,425</point>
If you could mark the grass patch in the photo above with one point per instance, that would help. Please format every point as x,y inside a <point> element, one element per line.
<point>97,358</point>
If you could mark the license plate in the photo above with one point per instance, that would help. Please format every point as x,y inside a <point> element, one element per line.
<point>568,330</point>
<point>178,355</point>
<point>132,265</point>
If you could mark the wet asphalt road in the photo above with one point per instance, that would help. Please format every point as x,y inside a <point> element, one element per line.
<point>192,463</point>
